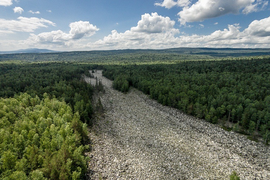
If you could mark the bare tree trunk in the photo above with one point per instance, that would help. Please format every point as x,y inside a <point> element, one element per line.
<point>229,118</point>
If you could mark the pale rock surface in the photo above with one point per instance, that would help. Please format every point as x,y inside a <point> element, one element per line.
<point>141,139</point>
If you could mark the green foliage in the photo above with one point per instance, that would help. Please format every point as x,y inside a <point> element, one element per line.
<point>41,139</point>
<point>234,176</point>
<point>235,91</point>
<point>44,132</point>
<point>37,175</point>
<point>17,175</point>
<point>60,80</point>
<point>120,83</point>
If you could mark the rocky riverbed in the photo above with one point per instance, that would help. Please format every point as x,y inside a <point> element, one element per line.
<point>137,138</point>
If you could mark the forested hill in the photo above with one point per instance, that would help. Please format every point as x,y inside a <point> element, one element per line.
<point>137,55</point>
<point>31,50</point>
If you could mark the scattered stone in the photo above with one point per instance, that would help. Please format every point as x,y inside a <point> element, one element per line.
<point>139,138</point>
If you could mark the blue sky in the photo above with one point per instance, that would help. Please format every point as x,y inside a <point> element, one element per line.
<point>130,24</point>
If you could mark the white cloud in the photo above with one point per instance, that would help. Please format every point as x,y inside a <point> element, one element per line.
<point>80,29</point>
<point>4,32</point>
<point>77,31</point>
<point>205,9</point>
<point>24,24</point>
<point>170,3</point>
<point>5,2</point>
<point>49,11</point>
<point>18,10</point>
<point>256,35</point>
<point>231,33</point>
<point>32,12</point>
<point>258,6</point>
<point>216,23</point>
<point>183,3</point>
<point>259,28</point>
<point>167,4</point>
<point>152,31</point>
<point>133,40</point>
<point>58,37</point>
<point>201,25</point>
<point>221,8</point>
<point>250,8</point>
<point>153,23</point>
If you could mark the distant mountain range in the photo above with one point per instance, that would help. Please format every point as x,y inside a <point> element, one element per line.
<point>215,52</point>
<point>31,50</point>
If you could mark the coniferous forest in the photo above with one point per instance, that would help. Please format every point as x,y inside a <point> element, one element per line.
<point>46,106</point>
<point>45,110</point>
<point>233,93</point>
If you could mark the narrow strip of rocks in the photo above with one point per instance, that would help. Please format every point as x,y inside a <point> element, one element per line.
<point>137,138</point>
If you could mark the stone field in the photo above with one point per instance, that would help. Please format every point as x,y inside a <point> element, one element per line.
<point>137,138</point>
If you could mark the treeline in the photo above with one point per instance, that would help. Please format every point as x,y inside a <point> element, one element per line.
<point>44,131</point>
<point>61,80</point>
<point>135,55</point>
<point>227,92</point>
<point>121,83</point>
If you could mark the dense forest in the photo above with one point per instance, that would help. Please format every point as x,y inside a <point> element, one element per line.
<point>45,110</point>
<point>233,93</point>
<point>46,106</point>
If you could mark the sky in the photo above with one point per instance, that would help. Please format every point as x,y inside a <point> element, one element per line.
<point>82,25</point>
